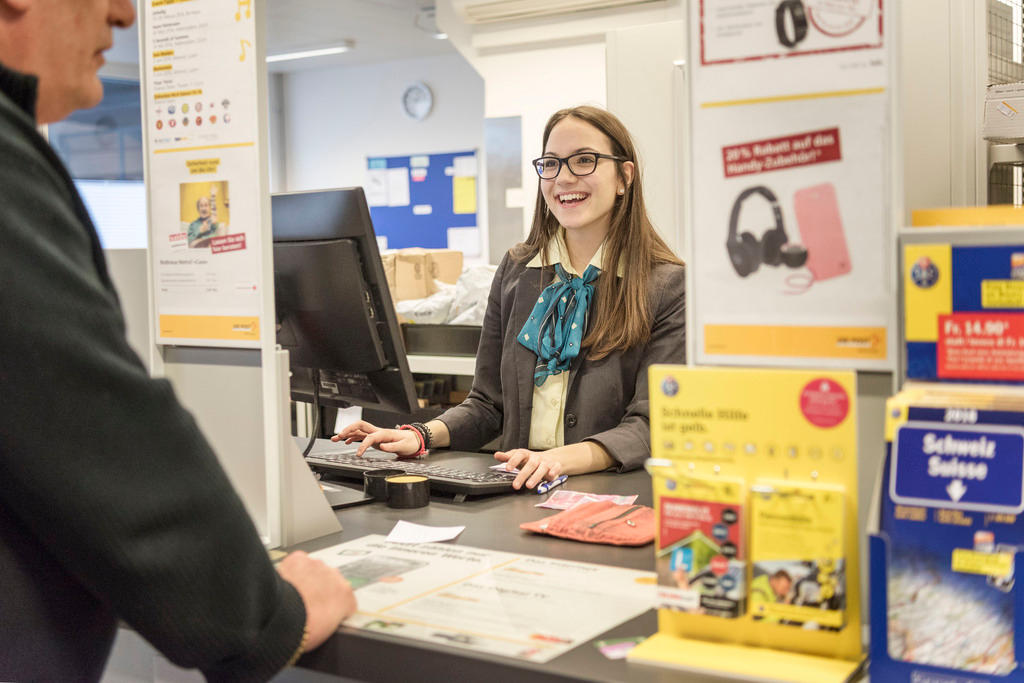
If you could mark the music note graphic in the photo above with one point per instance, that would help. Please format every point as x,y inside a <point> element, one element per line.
<point>241,57</point>
<point>247,4</point>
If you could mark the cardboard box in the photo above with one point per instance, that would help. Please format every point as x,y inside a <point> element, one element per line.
<point>411,272</point>
<point>442,264</point>
<point>445,265</point>
<point>406,274</point>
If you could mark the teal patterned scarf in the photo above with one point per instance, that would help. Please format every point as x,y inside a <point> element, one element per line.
<point>558,322</point>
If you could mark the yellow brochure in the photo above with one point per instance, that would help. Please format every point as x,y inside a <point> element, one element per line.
<point>798,573</point>
<point>701,555</point>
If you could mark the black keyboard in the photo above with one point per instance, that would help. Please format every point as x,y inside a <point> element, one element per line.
<point>442,479</point>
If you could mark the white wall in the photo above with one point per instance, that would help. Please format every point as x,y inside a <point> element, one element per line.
<point>535,83</point>
<point>335,118</point>
<point>534,67</point>
<point>943,73</point>
<point>646,90</point>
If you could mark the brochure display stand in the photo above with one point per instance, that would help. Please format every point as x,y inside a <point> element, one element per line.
<point>943,597</point>
<point>944,545</point>
<point>755,489</point>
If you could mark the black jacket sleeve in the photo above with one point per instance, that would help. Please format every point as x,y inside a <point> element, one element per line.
<point>479,418</point>
<point>102,465</point>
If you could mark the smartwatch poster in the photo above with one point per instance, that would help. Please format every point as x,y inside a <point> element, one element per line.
<point>791,183</point>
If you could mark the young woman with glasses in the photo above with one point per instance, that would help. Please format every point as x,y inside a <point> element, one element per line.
<point>576,315</point>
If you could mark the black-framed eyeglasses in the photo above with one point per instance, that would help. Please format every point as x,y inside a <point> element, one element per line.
<point>579,164</point>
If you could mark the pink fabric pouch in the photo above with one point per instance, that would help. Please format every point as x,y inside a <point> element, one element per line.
<point>599,522</point>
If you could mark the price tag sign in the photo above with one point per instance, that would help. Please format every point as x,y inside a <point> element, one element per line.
<point>981,346</point>
<point>964,467</point>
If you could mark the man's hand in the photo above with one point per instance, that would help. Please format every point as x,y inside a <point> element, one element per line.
<point>328,597</point>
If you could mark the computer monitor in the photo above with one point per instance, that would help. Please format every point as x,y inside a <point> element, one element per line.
<point>334,311</point>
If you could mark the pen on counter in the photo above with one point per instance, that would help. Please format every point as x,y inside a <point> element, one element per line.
<point>546,486</point>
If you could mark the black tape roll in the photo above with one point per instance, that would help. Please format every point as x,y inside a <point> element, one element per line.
<point>407,490</point>
<point>374,484</point>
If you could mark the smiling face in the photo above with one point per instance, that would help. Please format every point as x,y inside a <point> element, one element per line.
<point>583,203</point>
<point>64,47</point>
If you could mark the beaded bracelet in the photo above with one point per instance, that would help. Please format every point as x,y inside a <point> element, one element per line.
<point>420,437</point>
<point>428,436</point>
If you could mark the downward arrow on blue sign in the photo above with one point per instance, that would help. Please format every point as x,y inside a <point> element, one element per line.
<point>956,490</point>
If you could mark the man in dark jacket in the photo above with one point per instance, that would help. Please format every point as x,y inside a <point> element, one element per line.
<point>112,504</point>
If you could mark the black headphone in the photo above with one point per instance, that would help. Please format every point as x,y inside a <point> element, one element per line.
<point>794,8</point>
<point>746,252</point>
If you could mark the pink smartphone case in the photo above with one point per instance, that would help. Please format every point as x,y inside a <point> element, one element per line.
<point>821,231</point>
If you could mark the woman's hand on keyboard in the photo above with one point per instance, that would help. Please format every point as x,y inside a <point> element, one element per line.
<point>534,466</point>
<point>537,466</point>
<point>402,442</point>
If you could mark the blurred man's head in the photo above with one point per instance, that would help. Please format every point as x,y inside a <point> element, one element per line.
<point>62,43</point>
<point>781,582</point>
<point>203,207</point>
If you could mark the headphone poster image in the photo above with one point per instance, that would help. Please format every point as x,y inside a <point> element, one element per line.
<point>820,226</point>
<point>742,30</point>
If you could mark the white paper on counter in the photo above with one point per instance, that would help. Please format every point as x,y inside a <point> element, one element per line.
<point>407,532</point>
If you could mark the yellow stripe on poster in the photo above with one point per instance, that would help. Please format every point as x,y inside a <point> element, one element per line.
<point>795,341</point>
<point>794,97</point>
<point>223,327</point>
<point>162,67</point>
<point>202,147</point>
<point>922,305</point>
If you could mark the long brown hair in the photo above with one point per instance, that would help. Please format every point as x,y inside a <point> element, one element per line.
<point>622,316</point>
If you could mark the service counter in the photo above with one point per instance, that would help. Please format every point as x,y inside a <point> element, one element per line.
<point>492,523</point>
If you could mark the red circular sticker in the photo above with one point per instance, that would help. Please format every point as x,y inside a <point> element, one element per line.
<point>719,565</point>
<point>824,402</point>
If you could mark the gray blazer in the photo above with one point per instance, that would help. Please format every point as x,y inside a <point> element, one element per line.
<point>607,401</point>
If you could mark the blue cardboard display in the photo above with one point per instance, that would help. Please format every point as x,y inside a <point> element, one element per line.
<point>941,609</point>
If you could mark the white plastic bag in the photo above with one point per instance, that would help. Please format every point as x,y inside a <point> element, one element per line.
<point>471,292</point>
<point>433,310</point>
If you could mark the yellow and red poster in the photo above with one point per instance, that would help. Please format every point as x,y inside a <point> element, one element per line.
<point>790,211</point>
<point>201,124</point>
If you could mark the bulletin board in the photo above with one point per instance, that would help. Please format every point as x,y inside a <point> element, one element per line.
<point>425,200</point>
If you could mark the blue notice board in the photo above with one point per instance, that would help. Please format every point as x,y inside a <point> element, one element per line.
<point>415,199</point>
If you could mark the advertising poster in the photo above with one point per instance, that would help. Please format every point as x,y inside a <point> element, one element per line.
<point>204,197</point>
<point>963,311</point>
<point>791,183</point>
